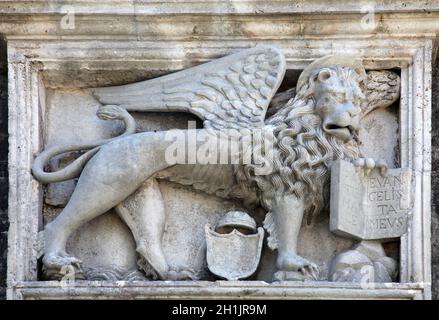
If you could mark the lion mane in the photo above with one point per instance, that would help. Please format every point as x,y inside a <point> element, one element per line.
<point>301,158</point>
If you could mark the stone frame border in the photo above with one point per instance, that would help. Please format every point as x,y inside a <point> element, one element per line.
<point>27,59</point>
<point>215,290</point>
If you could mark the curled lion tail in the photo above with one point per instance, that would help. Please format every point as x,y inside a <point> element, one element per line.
<point>69,172</point>
<point>74,169</point>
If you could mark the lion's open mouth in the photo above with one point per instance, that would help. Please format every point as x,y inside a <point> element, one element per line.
<point>342,132</point>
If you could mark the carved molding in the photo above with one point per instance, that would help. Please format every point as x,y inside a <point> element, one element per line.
<point>198,20</point>
<point>256,7</point>
<point>217,290</point>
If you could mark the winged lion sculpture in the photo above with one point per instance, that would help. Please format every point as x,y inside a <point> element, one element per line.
<point>311,128</point>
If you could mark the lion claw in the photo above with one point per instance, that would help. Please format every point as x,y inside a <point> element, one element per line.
<point>295,267</point>
<point>366,165</point>
<point>310,271</point>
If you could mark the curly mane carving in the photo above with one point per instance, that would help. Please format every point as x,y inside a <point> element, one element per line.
<point>301,157</point>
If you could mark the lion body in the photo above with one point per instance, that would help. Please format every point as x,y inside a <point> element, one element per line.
<point>297,183</point>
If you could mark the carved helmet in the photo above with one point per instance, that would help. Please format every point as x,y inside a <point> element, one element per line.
<point>236,219</point>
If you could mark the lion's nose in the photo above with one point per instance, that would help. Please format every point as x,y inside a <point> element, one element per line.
<point>352,109</point>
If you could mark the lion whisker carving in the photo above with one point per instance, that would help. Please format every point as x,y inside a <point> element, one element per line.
<point>312,129</point>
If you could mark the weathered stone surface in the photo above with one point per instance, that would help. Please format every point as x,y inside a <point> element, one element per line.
<point>435,183</point>
<point>366,263</point>
<point>3,168</point>
<point>379,136</point>
<point>372,206</point>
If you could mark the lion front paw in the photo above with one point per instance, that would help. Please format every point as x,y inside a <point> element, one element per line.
<point>366,165</point>
<point>294,267</point>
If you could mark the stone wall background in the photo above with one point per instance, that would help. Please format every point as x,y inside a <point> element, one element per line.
<point>3,168</point>
<point>4,174</point>
<point>435,181</point>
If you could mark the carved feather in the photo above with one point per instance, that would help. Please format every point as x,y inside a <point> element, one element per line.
<point>382,90</point>
<point>231,92</point>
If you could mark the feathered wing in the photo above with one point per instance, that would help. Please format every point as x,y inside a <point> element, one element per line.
<point>228,93</point>
<point>382,90</point>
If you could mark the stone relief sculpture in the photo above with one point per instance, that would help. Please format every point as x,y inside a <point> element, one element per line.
<point>233,249</point>
<point>312,126</point>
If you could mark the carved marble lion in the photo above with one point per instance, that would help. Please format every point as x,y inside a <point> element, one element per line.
<point>311,130</point>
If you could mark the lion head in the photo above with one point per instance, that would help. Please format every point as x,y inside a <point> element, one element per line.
<point>318,126</point>
<point>338,99</point>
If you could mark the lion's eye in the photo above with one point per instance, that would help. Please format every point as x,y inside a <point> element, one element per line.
<point>324,75</point>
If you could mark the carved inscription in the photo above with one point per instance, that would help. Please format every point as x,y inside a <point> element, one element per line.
<point>369,207</point>
<point>387,203</point>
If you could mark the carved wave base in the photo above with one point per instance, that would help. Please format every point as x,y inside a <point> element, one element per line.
<point>215,290</point>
